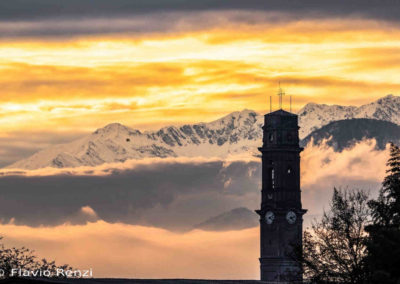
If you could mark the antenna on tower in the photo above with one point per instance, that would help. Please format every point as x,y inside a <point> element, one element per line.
<point>290,103</point>
<point>281,93</point>
<point>270,104</point>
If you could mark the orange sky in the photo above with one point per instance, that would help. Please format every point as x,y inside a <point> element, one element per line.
<point>53,89</point>
<point>144,81</point>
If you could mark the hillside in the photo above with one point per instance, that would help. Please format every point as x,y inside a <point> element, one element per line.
<point>345,133</point>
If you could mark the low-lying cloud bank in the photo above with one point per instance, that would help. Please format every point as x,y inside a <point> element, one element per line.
<point>120,250</point>
<point>175,193</point>
<point>168,193</point>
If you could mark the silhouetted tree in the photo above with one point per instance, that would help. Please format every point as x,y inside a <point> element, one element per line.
<point>334,248</point>
<point>25,259</point>
<point>384,232</point>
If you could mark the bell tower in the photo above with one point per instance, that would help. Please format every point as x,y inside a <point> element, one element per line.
<point>281,213</point>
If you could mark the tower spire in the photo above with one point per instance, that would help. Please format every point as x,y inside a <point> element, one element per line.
<point>270,104</point>
<point>281,93</point>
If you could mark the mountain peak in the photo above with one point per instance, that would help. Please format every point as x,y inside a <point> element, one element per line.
<point>313,116</point>
<point>114,126</point>
<point>236,119</point>
<point>108,128</point>
<point>235,219</point>
<point>236,133</point>
<point>238,114</point>
<point>116,129</point>
<point>388,98</point>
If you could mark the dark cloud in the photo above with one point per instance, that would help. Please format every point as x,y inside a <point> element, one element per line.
<point>66,18</point>
<point>169,195</point>
<point>28,9</point>
<point>177,193</point>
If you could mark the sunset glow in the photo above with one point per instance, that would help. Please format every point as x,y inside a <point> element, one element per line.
<point>83,83</point>
<point>91,176</point>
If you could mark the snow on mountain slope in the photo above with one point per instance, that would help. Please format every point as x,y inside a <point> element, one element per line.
<point>313,116</point>
<point>236,133</point>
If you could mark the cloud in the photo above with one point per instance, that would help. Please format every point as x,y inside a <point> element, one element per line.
<point>176,193</point>
<point>42,9</point>
<point>212,58</point>
<point>167,193</point>
<point>83,216</point>
<point>360,162</point>
<point>361,166</point>
<point>77,19</point>
<point>122,80</point>
<point>120,250</point>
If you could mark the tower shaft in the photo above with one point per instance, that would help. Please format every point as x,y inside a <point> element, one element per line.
<point>281,210</point>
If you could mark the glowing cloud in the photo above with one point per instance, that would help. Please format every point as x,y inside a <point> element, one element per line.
<point>119,250</point>
<point>192,74</point>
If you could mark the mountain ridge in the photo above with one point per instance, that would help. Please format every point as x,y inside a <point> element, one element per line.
<point>235,133</point>
<point>313,116</point>
<point>344,134</point>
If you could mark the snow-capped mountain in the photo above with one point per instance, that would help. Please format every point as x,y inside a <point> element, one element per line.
<point>236,133</point>
<point>313,116</point>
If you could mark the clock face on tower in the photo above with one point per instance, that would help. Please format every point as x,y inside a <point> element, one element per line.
<point>269,217</point>
<point>291,217</point>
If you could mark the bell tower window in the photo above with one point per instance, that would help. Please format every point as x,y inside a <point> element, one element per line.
<point>272,178</point>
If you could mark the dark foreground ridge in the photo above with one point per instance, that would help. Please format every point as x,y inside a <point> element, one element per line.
<point>126,281</point>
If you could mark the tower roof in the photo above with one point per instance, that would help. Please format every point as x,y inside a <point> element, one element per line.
<point>281,112</point>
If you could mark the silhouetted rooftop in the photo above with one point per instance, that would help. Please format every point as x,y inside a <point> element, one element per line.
<point>281,112</point>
